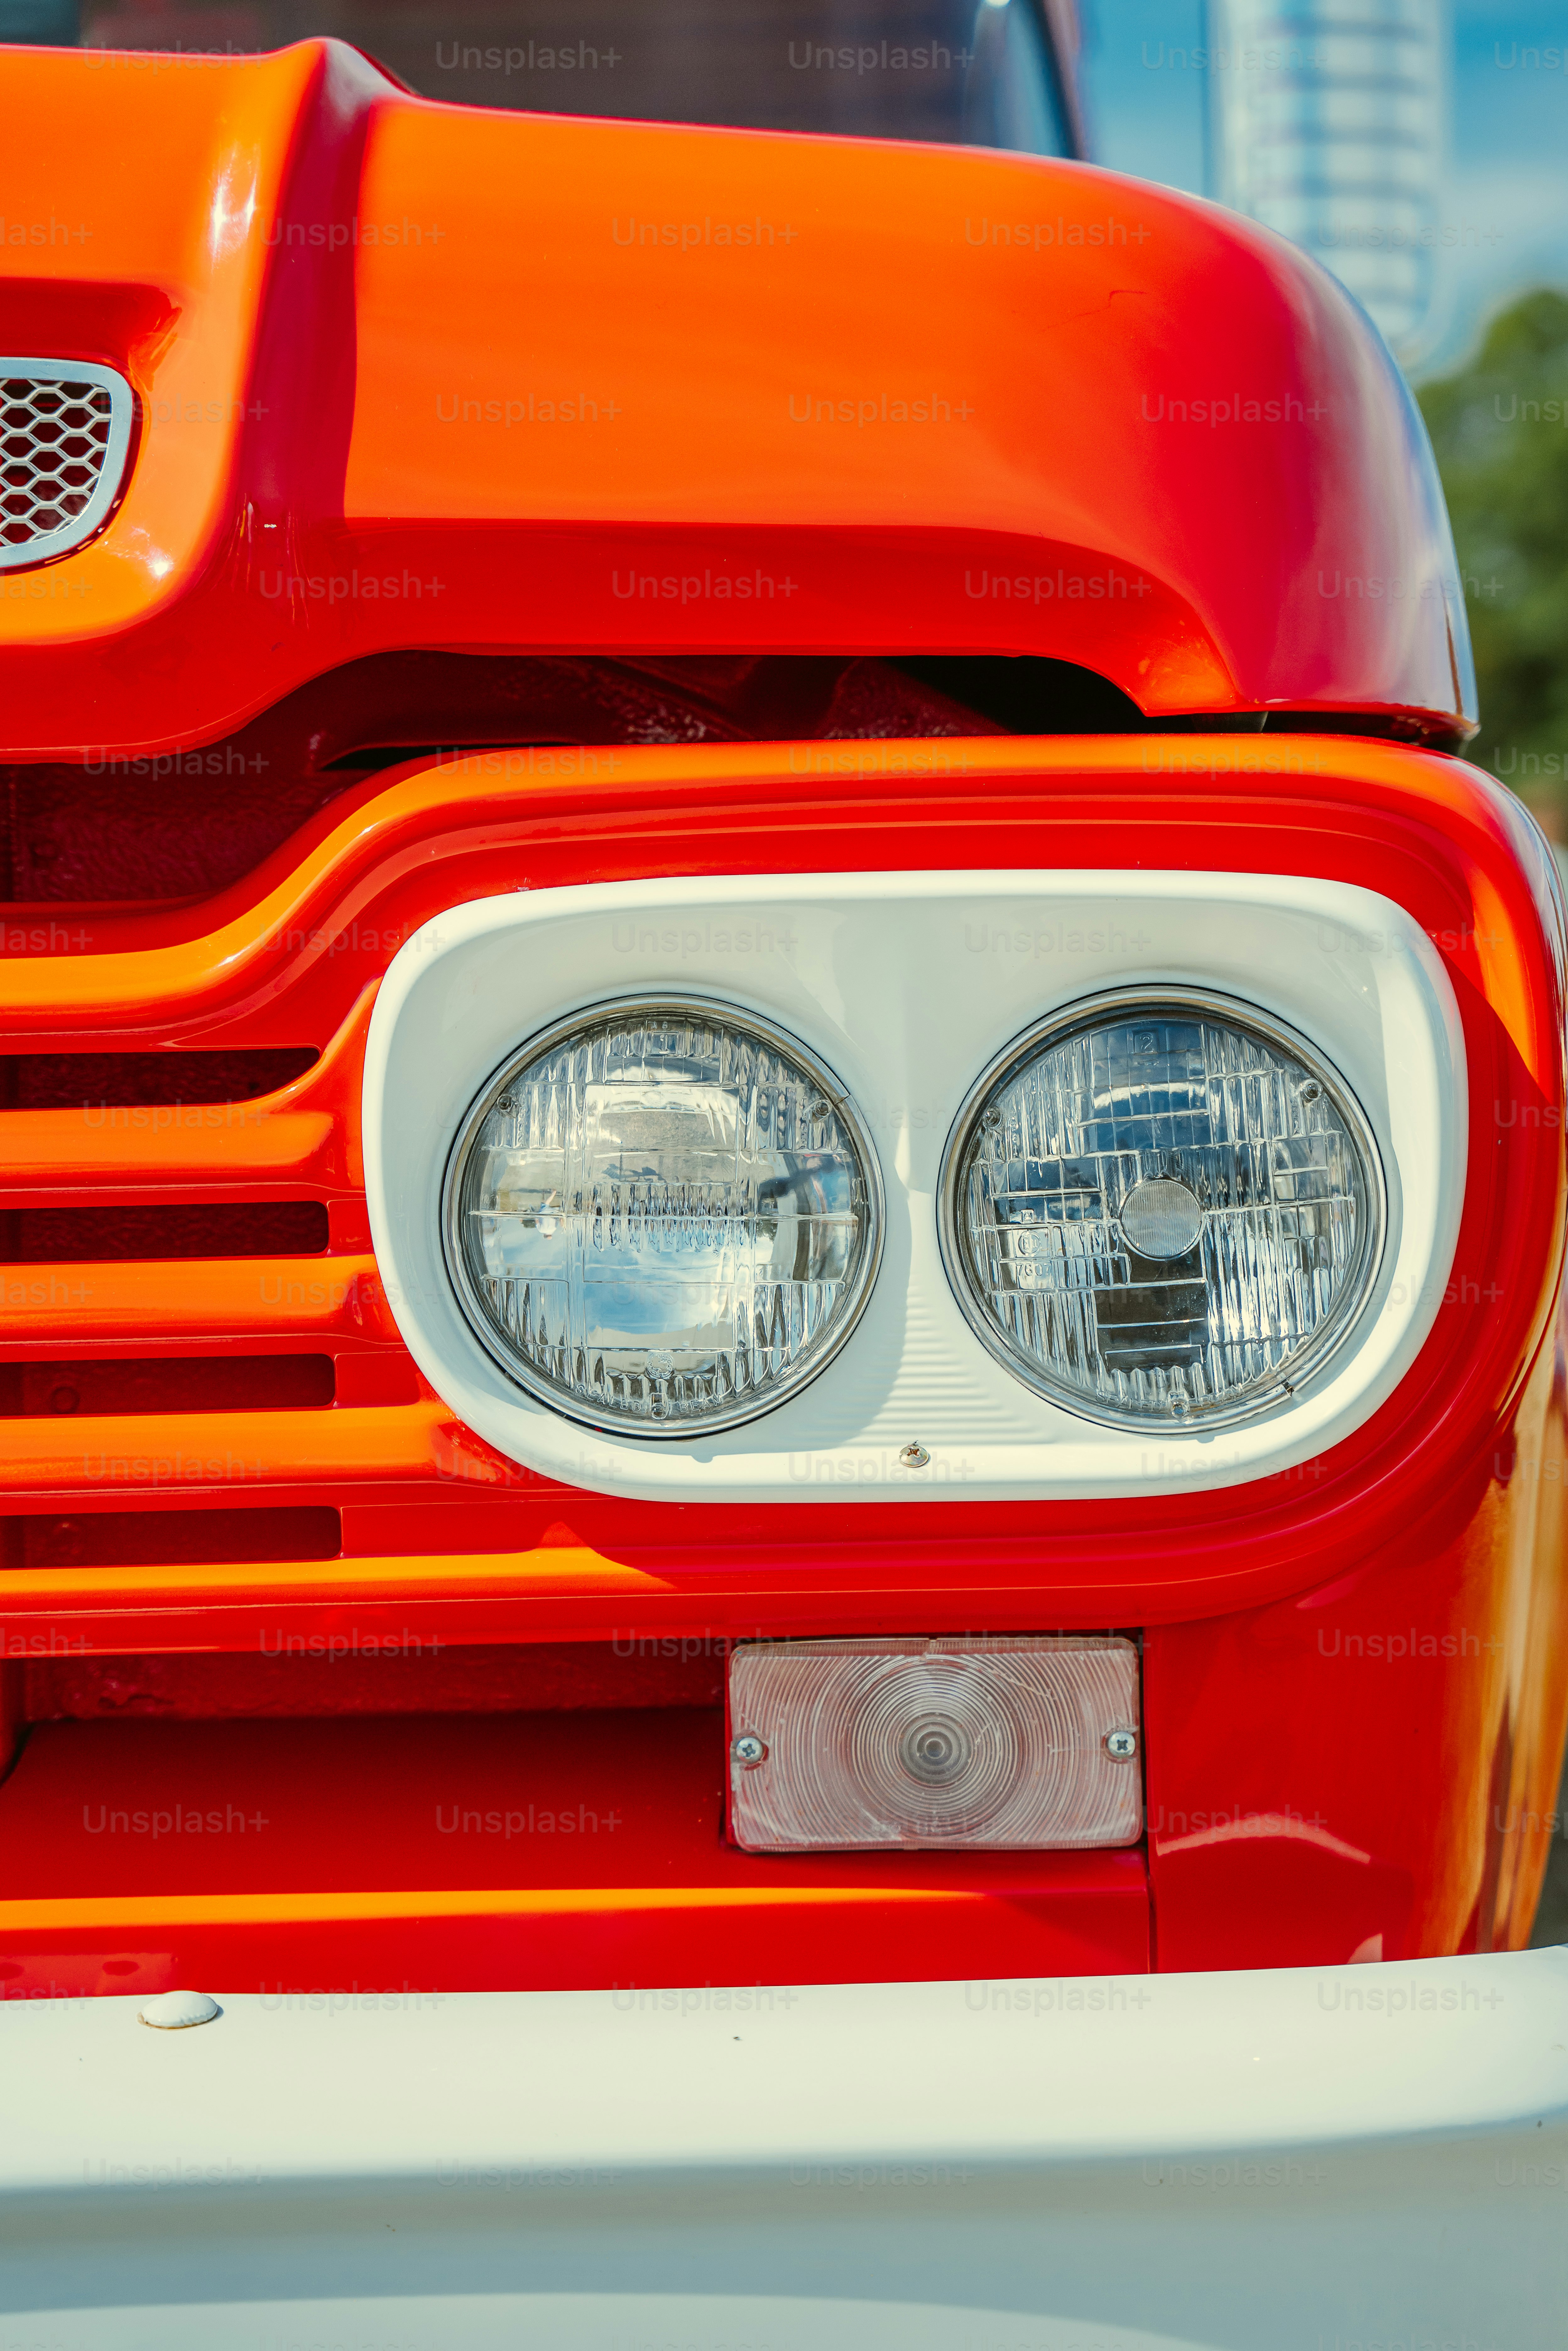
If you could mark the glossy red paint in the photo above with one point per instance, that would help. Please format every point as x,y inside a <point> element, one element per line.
<point>418,375</point>
<point>312,929</point>
<point>1274,1834</point>
<point>1368,1769</point>
<point>540,1851</point>
<point>1357,1676</point>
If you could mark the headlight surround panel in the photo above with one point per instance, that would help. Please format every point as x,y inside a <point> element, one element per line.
<point>663,1216</point>
<point>906,987</point>
<point>1162,1207</point>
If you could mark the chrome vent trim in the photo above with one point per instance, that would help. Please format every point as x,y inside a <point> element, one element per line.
<point>64,432</point>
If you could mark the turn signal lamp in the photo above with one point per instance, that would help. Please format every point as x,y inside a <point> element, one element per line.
<point>1022,1740</point>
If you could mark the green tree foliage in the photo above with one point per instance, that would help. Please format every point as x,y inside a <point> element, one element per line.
<point>1500,427</point>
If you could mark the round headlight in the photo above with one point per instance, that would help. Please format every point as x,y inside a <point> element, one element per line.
<point>663,1216</point>
<point>1162,1208</point>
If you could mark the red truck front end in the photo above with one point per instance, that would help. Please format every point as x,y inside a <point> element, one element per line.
<point>783,1370</point>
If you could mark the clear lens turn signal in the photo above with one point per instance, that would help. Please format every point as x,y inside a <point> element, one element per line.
<point>1020,1740</point>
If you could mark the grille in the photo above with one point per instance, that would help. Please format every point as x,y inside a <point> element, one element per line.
<point>199,1377</point>
<point>64,430</point>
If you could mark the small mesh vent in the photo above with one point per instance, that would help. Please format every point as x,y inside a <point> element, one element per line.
<point>65,427</point>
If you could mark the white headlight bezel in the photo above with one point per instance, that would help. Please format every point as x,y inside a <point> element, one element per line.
<point>534,1048</point>
<point>905,985</point>
<point>1058,1028</point>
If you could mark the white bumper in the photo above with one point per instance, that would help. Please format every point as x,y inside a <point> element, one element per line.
<point>1334,2159</point>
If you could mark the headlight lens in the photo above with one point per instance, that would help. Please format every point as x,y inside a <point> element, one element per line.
<point>1162,1210</point>
<point>663,1216</point>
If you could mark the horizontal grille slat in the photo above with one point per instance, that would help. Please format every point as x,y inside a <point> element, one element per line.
<point>230,1229</point>
<point>131,1148</point>
<point>78,1304</point>
<point>105,1459</point>
<point>100,1081</point>
<point>171,1538</point>
<point>133,1385</point>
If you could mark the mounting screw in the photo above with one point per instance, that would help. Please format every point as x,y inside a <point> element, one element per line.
<point>1121,1745</point>
<point>1312,1092</point>
<point>171,2012</point>
<point>915,1456</point>
<point>749,1750</point>
<point>507,1103</point>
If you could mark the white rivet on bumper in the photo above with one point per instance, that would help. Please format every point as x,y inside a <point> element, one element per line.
<point>171,2012</point>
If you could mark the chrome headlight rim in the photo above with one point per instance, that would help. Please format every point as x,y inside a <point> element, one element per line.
<point>607,1012</point>
<point>1274,1391</point>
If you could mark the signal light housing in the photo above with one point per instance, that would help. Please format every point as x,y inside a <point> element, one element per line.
<point>1021,1740</point>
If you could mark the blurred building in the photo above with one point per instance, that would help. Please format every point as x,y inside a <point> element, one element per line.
<point>993,73</point>
<point>44,24</point>
<point>1328,121</point>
